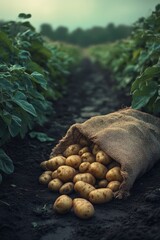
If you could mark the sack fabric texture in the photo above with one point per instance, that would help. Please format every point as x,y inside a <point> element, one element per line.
<point>130,137</point>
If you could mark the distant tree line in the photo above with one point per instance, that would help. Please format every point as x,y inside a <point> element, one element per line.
<point>81,37</point>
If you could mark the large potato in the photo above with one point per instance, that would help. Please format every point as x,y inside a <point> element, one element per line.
<point>95,149</point>
<point>72,150</point>
<point>66,188</point>
<point>114,185</point>
<point>53,163</point>
<point>85,177</point>
<point>55,184</point>
<point>83,150</point>
<point>103,158</point>
<point>98,170</point>
<point>83,208</point>
<point>101,195</point>
<point>63,204</point>
<point>45,178</point>
<point>114,174</point>
<point>84,167</point>
<point>88,157</point>
<point>83,188</point>
<point>66,173</point>
<point>73,161</point>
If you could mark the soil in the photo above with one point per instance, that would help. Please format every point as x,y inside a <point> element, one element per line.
<point>26,206</point>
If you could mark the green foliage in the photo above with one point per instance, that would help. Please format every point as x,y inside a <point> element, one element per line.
<point>31,74</point>
<point>135,62</point>
<point>42,137</point>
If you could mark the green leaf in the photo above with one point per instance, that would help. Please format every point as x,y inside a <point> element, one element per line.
<point>42,137</point>
<point>19,96</point>
<point>39,78</point>
<point>6,164</point>
<point>15,125</point>
<point>26,106</point>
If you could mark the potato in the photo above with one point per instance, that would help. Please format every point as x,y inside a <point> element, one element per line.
<point>43,165</point>
<point>84,142</point>
<point>98,170</point>
<point>102,183</point>
<point>83,208</point>
<point>114,185</point>
<point>73,161</point>
<point>48,172</point>
<point>101,195</point>
<point>83,150</point>
<point>103,158</point>
<point>66,173</point>
<point>95,149</point>
<point>53,163</point>
<point>114,174</point>
<point>54,174</point>
<point>83,168</point>
<point>63,204</point>
<point>55,184</point>
<point>72,150</point>
<point>85,177</point>
<point>45,178</point>
<point>88,157</point>
<point>66,188</point>
<point>113,164</point>
<point>83,188</point>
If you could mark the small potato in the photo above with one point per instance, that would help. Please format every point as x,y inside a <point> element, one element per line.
<point>101,195</point>
<point>63,204</point>
<point>113,164</point>
<point>83,168</point>
<point>83,188</point>
<point>98,170</point>
<point>83,208</point>
<point>66,173</point>
<point>55,184</point>
<point>73,161</point>
<point>72,150</point>
<point>103,158</point>
<point>114,174</point>
<point>95,149</point>
<point>88,157</point>
<point>54,174</point>
<point>45,178</point>
<point>102,183</point>
<point>83,150</point>
<point>85,177</point>
<point>114,185</point>
<point>84,142</point>
<point>67,188</point>
<point>43,165</point>
<point>48,172</point>
<point>53,163</point>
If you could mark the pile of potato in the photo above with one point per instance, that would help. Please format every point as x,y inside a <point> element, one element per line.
<point>84,168</point>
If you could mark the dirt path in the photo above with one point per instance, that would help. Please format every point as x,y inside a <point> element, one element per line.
<point>25,205</point>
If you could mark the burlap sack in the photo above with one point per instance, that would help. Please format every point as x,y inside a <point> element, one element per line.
<point>129,136</point>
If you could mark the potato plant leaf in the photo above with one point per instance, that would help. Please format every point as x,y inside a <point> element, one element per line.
<point>6,164</point>
<point>42,137</point>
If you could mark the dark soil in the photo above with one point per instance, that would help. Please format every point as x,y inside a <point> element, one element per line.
<point>26,206</point>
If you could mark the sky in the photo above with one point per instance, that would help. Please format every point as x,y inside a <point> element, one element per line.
<point>77,13</point>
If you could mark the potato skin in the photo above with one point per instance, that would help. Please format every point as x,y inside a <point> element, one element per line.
<point>83,208</point>
<point>114,174</point>
<point>88,157</point>
<point>66,173</point>
<point>101,195</point>
<point>95,149</point>
<point>45,178</point>
<point>63,204</point>
<point>83,150</point>
<point>55,184</point>
<point>73,161</point>
<point>72,150</point>
<point>66,188</point>
<point>43,165</point>
<point>102,183</point>
<point>53,163</point>
<point>98,170</point>
<point>84,167</point>
<point>85,177</point>
<point>83,188</point>
<point>114,185</point>
<point>54,174</point>
<point>103,158</point>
